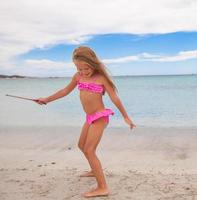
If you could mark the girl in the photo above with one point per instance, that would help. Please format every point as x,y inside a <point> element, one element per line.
<point>92,81</point>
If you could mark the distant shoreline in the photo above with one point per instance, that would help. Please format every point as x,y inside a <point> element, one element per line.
<point>12,76</point>
<point>19,76</point>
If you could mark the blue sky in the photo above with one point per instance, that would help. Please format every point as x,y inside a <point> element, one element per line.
<point>136,42</point>
<point>112,46</point>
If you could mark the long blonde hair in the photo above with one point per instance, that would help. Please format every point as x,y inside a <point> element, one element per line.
<point>87,55</point>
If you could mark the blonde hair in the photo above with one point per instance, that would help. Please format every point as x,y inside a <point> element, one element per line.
<point>87,55</point>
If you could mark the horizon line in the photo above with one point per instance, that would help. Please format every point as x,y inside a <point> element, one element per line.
<point>24,76</point>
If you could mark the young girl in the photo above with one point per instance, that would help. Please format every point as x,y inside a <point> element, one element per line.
<point>92,81</point>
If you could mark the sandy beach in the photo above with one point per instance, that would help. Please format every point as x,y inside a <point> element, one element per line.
<point>143,164</point>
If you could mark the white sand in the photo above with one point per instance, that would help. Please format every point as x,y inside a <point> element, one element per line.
<point>145,164</point>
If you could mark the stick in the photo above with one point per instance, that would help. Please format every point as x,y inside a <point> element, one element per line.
<point>21,98</point>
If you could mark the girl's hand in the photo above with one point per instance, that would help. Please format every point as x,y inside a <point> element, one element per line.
<point>41,101</point>
<point>129,122</point>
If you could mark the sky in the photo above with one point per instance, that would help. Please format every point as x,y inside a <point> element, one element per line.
<point>131,37</point>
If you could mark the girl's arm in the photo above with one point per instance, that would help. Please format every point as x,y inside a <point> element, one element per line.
<point>117,102</point>
<point>61,93</point>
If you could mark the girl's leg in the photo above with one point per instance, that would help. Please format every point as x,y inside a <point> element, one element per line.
<point>83,136</point>
<point>93,138</point>
<point>81,145</point>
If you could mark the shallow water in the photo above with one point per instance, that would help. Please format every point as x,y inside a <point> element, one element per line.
<point>151,101</point>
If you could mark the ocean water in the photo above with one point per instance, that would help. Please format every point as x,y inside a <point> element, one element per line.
<point>151,101</point>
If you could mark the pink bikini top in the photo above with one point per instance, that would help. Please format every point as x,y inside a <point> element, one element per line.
<point>91,87</point>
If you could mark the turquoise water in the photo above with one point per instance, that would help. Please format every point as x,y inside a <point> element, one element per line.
<point>151,101</point>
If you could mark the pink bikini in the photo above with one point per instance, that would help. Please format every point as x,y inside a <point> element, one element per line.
<point>90,118</point>
<point>95,88</point>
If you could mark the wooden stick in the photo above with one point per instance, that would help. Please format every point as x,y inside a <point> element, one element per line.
<point>8,95</point>
<point>19,97</point>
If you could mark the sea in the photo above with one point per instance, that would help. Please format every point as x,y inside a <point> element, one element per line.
<point>150,101</point>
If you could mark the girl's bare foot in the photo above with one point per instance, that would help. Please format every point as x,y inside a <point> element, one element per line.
<point>98,192</point>
<point>87,174</point>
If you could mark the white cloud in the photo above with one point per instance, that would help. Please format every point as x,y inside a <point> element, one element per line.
<point>47,64</point>
<point>46,67</point>
<point>181,56</point>
<point>26,25</point>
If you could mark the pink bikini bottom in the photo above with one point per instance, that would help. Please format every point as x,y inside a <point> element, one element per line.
<point>90,118</point>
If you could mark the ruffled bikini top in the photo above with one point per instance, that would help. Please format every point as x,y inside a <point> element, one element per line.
<point>90,86</point>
